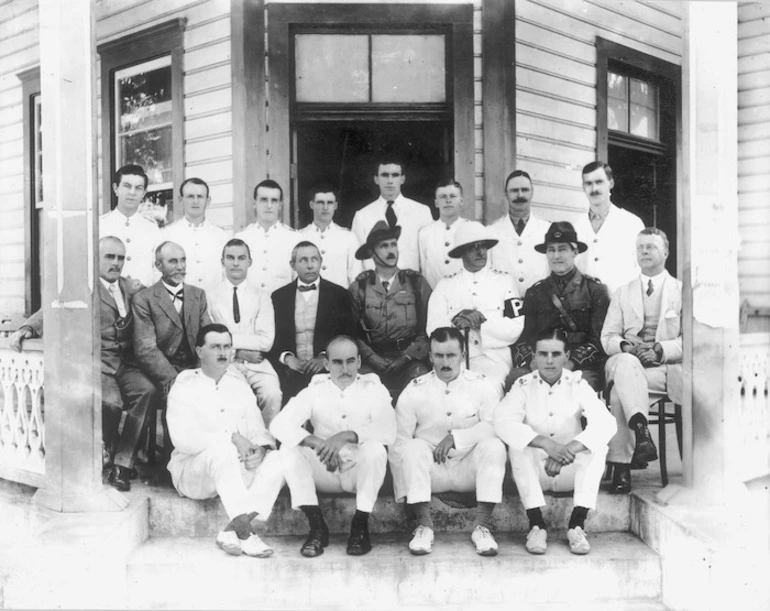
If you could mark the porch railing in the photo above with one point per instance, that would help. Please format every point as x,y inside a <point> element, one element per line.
<point>755,404</point>
<point>22,413</point>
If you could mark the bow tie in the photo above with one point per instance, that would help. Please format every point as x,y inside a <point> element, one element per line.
<point>179,295</point>
<point>306,287</point>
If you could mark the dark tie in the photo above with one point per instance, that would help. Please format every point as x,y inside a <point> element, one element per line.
<point>305,287</point>
<point>385,285</point>
<point>236,306</point>
<point>390,214</point>
<point>175,296</point>
<point>649,287</point>
<point>520,226</point>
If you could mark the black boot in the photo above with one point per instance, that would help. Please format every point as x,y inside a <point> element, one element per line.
<point>621,479</point>
<point>645,448</point>
<point>358,543</point>
<point>318,538</point>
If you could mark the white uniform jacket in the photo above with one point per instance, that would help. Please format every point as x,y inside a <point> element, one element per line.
<point>533,407</point>
<point>140,236</point>
<point>202,413</point>
<point>625,316</point>
<point>411,216</point>
<point>270,253</point>
<point>430,409</point>
<point>256,329</point>
<point>611,254</point>
<point>487,291</point>
<point>338,249</point>
<point>435,241</point>
<point>364,407</point>
<point>203,246</point>
<point>516,253</point>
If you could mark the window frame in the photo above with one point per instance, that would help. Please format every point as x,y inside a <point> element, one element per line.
<point>164,39</point>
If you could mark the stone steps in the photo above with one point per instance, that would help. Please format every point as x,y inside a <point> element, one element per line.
<point>191,573</point>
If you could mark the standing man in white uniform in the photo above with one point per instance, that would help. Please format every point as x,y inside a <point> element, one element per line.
<point>395,209</point>
<point>201,239</point>
<point>518,232</point>
<point>269,240</point>
<point>608,231</point>
<point>438,238</point>
<point>338,245</point>
<point>248,313</point>
<point>139,235</point>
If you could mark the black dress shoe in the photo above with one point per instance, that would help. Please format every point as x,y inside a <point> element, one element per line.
<point>645,447</point>
<point>358,543</point>
<point>120,478</point>
<point>621,479</point>
<point>316,541</point>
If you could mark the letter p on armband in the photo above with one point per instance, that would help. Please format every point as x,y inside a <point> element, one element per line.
<point>513,307</point>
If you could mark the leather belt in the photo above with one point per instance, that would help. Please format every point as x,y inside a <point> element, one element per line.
<point>394,345</point>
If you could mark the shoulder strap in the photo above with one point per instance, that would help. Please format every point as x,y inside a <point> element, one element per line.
<point>556,300</point>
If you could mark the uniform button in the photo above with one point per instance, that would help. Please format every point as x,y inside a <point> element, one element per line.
<point>446,243</point>
<point>596,259</point>
<point>521,260</point>
<point>447,261</point>
<point>551,434</point>
<point>263,285</point>
<point>550,413</point>
<point>596,240</point>
<point>128,258</point>
<point>520,243</point>
<point>197,260</point>
<point>323,237</point>
<point>323,252</point>
<point>264,269</point>
<point>475,342</point>
<point>474,294</point>
<point>264,252</point>
<point>323,267</point>
<point>521,279</point>
<point>449,413</point>
<point>128,240</point>
<point>344,415</point>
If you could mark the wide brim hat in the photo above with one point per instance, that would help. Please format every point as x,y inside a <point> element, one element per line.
<point>471,233</point>
<point>381,231</point>
<point>561,232</point>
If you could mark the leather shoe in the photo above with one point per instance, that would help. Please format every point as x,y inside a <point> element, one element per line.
<point>645,447</point>
<point>316,541</point>
<point>358,543</point>
<point>621,479</point>
<point>120,478</point>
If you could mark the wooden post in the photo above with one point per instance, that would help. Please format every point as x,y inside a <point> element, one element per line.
<point>71,334</point>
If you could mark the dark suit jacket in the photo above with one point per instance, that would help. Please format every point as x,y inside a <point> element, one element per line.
<point>334,317</point>
<point>158,330</point>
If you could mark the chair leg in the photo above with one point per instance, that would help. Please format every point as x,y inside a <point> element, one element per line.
<point>662,443</point>
<point>678,425</point>
<point>152,436</point>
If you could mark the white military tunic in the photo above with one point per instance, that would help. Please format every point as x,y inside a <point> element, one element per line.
<point>611,254</point>
<point>516,253</point>
<point>428,410</point>
<point>202,415</point>
<point>411,216</point>
<point>140,236</point>
<point>435,242</point>
<point>338,248</point>
<point>270,253</point>
<point>365,408</point>
<point>203,246</point>
<point>486,291</point>
<point>533,407</point>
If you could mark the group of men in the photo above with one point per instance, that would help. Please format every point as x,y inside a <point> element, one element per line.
<point>245,341</point>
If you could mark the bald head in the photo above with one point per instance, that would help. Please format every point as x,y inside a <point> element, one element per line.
<point>171,262</point>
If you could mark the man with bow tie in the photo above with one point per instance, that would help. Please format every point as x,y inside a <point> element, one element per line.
<point>124,386</point>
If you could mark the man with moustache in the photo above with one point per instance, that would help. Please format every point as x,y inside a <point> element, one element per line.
<point>200,238</point>
<point>518,232</point>
<point>480,301</point>
<point>337,244</point>
<point>390,306</point>
<point>437,239</point>
<point>269,240</point>
<point>352,421</point>
<point>124,387</point>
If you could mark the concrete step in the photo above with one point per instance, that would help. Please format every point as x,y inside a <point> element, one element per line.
<point>191,573</point>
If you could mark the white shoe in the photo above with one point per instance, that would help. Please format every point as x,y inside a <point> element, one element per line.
<point>422,542</point>
<point>484,541</point>
<point>228,541</point>
<point>255,547</point>
<point>578,542</point>
<point>537,540</point>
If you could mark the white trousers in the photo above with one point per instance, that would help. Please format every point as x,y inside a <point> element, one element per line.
<point>362,472</point>
<point>635,388</point>
<point>416,475</point>
<point>217,471</point>
<point>583,476</point>
<point>266,388</point>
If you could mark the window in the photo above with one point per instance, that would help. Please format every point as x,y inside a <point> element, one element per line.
<point>632,106</point>
<point>142,113</point>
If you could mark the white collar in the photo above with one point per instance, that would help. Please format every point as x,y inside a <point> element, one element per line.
<point>657,281</point>
<point>315,284</point>
<point>107,285</point>
<point>396,200</point>
<point>172,289</point>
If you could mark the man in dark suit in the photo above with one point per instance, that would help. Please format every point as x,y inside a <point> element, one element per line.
<point>167,317</point>
<point>308,313</point>
<point>124,386</point>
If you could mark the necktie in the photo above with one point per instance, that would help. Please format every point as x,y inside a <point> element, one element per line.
<point>520,226</point>
<point>390,214</point>
<point>649,287</point>
<point>385,285</point>
<point>177,299</point>
<point>236,306</point>
<point>118,299</point>
<point>305,287</point>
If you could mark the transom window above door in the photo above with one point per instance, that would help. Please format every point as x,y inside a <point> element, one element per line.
<point>633,106</point>
<point>370,68</point>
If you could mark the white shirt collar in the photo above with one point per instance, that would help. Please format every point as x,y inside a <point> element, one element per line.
<point>193,226</point>
<point>396,200</point>
<point>172,289</point>
<point>316,283</point>
<point>107,285</point>
<point>657,281</point>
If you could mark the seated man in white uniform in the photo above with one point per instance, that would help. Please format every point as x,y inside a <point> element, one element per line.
<point>446,442</point>
<point>248,313</point>
<point>353,421</point>
<point>221,446</point>
<point>642,334</point>
<point>540,420</point>
<point>481,301</point>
